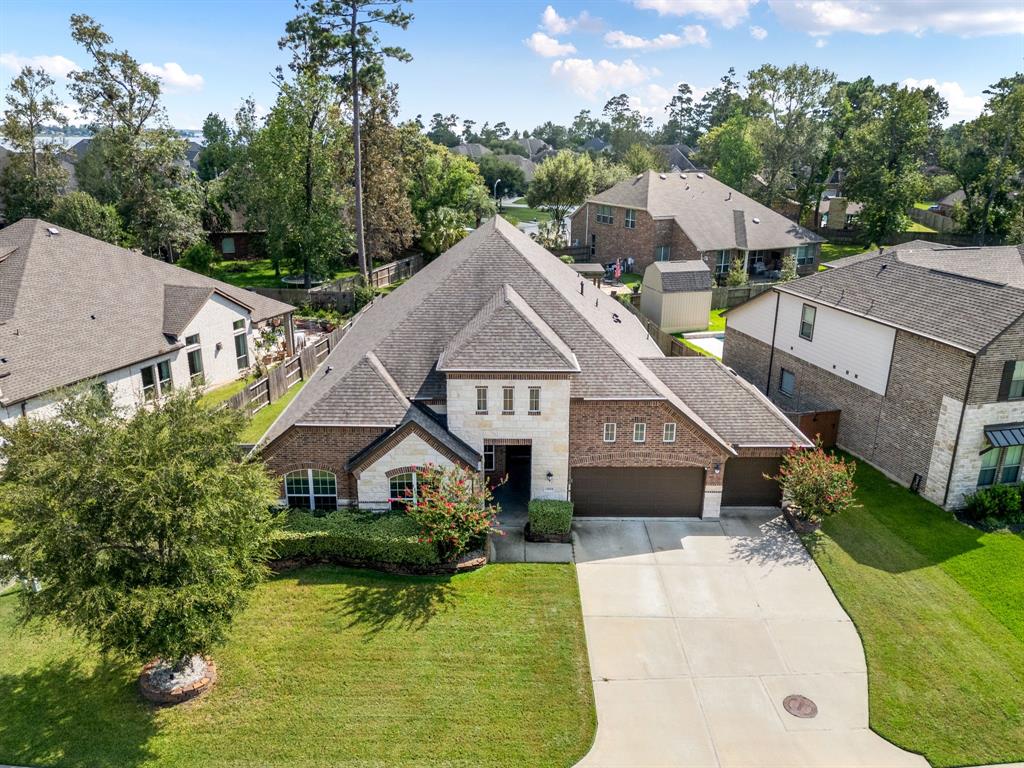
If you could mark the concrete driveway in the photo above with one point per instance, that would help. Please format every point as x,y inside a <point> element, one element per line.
<point>697,631</point>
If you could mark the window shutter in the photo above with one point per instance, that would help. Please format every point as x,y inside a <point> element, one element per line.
<point>1004,384</point>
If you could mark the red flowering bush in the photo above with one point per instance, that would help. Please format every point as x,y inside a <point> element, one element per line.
<point>817,483</point>
<point>453,507</point>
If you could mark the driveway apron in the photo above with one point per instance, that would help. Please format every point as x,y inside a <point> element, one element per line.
<point>697,633</point>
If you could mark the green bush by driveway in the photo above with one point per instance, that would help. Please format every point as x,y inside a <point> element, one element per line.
<point>549,516</point>
<point>329,667</point>
<point>940,608</point>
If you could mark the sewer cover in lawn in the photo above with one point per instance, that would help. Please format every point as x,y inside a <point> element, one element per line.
<point>800,706</point>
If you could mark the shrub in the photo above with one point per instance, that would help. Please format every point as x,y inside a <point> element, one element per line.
<point>452,508</point>
<point>199,257</point>
<point>354,535</point>
<point>737,274</point>
<point>550,516</point>
<point>362,295</point>
<point>995,506</point>
<point>817,483</point>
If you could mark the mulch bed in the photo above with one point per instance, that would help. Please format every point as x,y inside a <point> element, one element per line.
<point>468,562</point>
<point>546,538</point>
<point>153,691</point>
<point>799,525</point>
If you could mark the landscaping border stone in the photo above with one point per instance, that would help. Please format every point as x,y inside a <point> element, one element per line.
<point>179,694</point>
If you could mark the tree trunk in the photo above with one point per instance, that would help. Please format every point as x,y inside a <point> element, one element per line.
<point>992,187</point>
<point>307,281</point>
<point>358,153</point>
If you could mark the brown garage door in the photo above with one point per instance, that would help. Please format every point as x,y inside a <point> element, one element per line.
<point>637,492</point>
<point>745,485</point>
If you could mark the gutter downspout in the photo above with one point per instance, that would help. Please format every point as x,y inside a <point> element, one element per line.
<point>959,429</point>
<point>771,355</point>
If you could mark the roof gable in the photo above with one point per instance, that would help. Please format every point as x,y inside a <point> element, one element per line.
<point>507,335</point>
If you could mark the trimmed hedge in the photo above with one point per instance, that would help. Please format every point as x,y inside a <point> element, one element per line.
<point>550,516</point>
<point>353,535</point>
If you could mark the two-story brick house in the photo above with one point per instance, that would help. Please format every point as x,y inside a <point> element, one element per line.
<point>499,357</point>
<point>921,349</point>
<point>674,216</point>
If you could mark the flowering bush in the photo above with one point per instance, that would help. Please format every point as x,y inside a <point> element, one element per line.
<point>817,483</point>
<point>453,507</point>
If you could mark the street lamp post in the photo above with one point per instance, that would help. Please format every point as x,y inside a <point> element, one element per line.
<point>496,183</point>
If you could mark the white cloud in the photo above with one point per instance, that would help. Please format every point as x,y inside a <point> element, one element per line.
<point>728,13</point>
<point>821,42</point>
<point>173,76</point>
<point>546,46</point>
<point>956,17</point>
<point>55,66</point>
<point>758,33</point>
<point>961,106</point>
<point>619,39</point>
<point>695,34</point>
<point>560,25</point>
<point>591,79</point>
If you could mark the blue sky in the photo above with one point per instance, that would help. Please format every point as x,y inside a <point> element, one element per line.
<point>525,62</point>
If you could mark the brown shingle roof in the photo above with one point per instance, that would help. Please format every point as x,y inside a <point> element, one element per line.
<point>713,215</point>
<point>72,307</point>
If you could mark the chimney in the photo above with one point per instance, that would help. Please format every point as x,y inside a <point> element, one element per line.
<point>837,213</point>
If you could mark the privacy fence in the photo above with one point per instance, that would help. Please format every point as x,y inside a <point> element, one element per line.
<point>851,236</point>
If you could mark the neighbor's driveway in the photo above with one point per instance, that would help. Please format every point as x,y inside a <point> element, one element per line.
<point>698,630</point>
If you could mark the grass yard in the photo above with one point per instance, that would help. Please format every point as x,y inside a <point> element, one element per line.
<point>330,667</point>
<point>717,320</point>
<point>924,205</point>
<point>940,608</point>
<point>264,417</point>
<point>213,397</point>
<point>916,226</point>
<point>518,215</point>
<point>258,273</point>
<point>833,251</point>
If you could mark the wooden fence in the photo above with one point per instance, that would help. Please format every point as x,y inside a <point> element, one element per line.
<point>936,221</point>
<point>339,295</point>
<point>726,296</point>
<point>850,236</point>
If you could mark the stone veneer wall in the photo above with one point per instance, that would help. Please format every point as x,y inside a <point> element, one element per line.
<point>327,448</point>
<point>374,480</point>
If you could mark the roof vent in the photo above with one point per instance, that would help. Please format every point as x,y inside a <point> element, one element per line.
<point>661,176</point>
<point>92,317</point>
<point>756,220</point>
<point>700,175</point>
<point>53,230</point>
<point>639,176</point>
<point>682,175</point>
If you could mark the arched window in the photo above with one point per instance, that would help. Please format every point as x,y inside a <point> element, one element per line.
<point>311,489</point>
<point>403,490</point>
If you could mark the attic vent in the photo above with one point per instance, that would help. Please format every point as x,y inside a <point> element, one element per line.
<point>661,176</point>
<point>756,220</point>
<point>700,175</point>
<point>53,230</point>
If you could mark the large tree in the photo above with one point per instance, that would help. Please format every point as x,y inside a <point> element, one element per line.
<point>341,37</point>
<point>560,183</point>
<point>144,171</point>
<point>732,153</point>
<point>83,213</point>
<point>682,125</point>
<point>146,532</point>
<point>33,177</point>
<point>218,153</point>
<point>628,126</point>
<point>502,176</point>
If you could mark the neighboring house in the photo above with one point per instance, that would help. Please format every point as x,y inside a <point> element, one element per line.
<point>675,216</point>
<point>838,213</point>
<point>898,341</point>
<point>677,295</point>
<point>534,147</point>
<point>237,241</point>
<point>596,145</point>
<point>500,358</point>
<point>472,151</point>
<point>946,205</point>
<point>192,151</point>
<point>527,166</point>
<point>676,157</point>
<point>75,309</point>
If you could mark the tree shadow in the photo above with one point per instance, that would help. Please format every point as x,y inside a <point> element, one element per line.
<point>405,603</point>
<point>770,542</point>
<point>56,713</point>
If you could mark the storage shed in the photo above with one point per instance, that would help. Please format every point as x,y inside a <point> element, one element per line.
<point>677,295</point>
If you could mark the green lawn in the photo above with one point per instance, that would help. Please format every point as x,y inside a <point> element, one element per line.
<point>924,205</point>
<point>264,417</point>
<point>258,273</point>
<point>833,251</point>
<point>916,226</point>
<point>518,215</point>
<point>217,396</point>
<point>717,320</point>
<point>940,608</point>
<point>329,667</point>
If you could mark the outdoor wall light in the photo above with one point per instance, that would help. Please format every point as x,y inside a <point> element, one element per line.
<point>550,477</point>
<point>718,468</point>
<point>219,346</point>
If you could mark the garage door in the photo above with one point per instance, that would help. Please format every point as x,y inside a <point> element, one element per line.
<point>745,485</point>
<point>637,492</point>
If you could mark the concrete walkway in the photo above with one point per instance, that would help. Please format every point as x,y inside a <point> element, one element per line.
<point>698,630</point>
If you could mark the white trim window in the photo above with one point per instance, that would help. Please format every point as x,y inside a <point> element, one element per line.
<point>668,435</point>
<point>241,345</point>
<point>227,246</point>
<point>1000,466</point>
<point>311,489</point>
<point>609,431</point>
<point>630,220</point>
<point>156,380</point>
<point>194,353</point>
<point>403,490</point>
<point>804,255</point>
<point>508,400</point>
<point>808,315</point>
<point>604,215</point>
<point>640,432</point>
<point>722,262</point>
<point>488,458</point>
<point>534,405</point>
<point>481,400</point>
<point>787,382</point>
<point>662,253</point>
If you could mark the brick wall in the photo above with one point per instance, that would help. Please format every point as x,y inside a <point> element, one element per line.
<point>747,356</point>
<point>587,448</point>
<point>989,370</point>
<point>327,448</point>
<point>614,241</point>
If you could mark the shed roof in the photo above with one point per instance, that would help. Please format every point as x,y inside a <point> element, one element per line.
<point>679,276</point>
